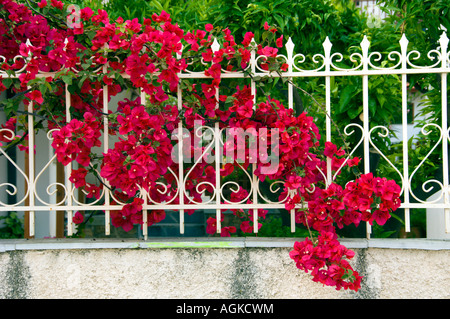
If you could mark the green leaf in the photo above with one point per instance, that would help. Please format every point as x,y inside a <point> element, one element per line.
<point>43,88</point>
<point>7,82</point>
<point>10,107</point>
<point>230,99</point>
<point>372,106</point>
<point>354,112</point>
<point>83,78</point>
<point>346,96</point>
<point>392,8</point>
<point>275,81</point>
<point>267,35</point>
<point>348,275</point>
<point>91,34</point>
<point>381,99</point>
<point>280,21</point>
<point>67,79</point>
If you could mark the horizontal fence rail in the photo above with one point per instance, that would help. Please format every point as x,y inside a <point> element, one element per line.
<point>326,65</point>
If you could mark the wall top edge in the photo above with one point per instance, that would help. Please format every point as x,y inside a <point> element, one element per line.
<point>196,243</point>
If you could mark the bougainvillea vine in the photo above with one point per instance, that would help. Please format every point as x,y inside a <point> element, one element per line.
<point>50,55</point>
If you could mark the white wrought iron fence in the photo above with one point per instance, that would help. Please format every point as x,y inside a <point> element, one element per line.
<point>365,64</point>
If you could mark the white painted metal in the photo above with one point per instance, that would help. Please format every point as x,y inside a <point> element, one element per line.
<point>68,170</point>
<point>366,63</point>
<point>404,49</point>
<point>365,60</point>
<point>32,185</point>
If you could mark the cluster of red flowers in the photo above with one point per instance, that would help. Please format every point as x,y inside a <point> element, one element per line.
<point>366,199</point>
<point>138,160</point>
<point>141,160</point>
<point>74,141</point>
<point>326,260</point>
<point>143,156</point>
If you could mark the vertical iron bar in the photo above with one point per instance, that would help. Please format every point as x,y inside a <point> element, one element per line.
<point>254,177</point>
<point>180,152</point>
<point>144,192</point>
<point>365,84</point>
<point>68,170</point>
<point>405,148</point>
<point>327,49</point>
<point>105,150</point>
<point>31,160</point>
<point>445,151</point>
<point>217,161</point>
<point>328,125</point>
<point>404,47</point>
<point>290,62</point>
<point>366,135</point>
<point>180,160</point>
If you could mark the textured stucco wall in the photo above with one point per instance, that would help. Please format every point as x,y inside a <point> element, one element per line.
<point>237,271</point>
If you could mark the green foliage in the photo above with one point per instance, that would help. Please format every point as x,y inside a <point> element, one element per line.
<point>308,22</point>
<point>419,20</point>
<point>423,23</point>
<point>273,227</point>
<point>12,226</point>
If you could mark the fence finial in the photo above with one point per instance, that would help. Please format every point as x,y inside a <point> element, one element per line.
<point>365,44</point>
<point>404,48</point>
<point>290,48</point>
<point>327,46</point>
<point>327,50</point>
<point>443,40</point>
<point>290,53</point>
<point>215,46</point>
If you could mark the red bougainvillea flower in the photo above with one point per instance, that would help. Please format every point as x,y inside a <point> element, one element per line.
<point>42,4</point>
<point>57,4</point>
<point>35,96</point>
<point>211,225</point>
<point>246,227</point>
<point>78,218</point>
<point>78,176</point>
<point>227,231</point>
<point>209,27</point>
<point>279,42</point>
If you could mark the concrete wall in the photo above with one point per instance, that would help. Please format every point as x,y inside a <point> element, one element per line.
<point>237,268</point>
